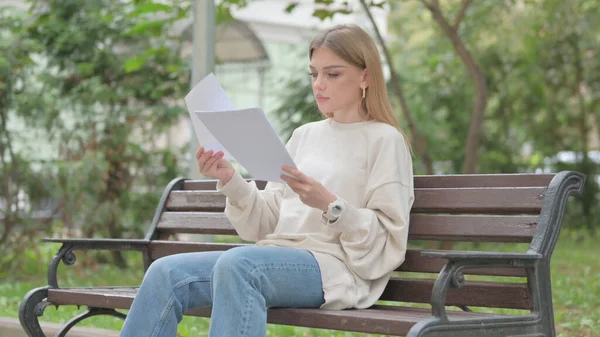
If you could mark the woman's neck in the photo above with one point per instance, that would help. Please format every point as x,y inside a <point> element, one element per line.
<point>351,115</point>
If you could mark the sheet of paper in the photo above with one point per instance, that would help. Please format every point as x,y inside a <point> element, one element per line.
<point>208,95</point>
<point>251,139</point>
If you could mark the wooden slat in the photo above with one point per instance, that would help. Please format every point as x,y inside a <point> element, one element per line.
<point>195,223</point>
<point>422,226</point>
<point>388,320</point>
<point>478,294</point>
<point>379,319</point>
<point>158,249</point>
<point>100,297</point>
<point>501,200</point>
<point>483,180</point>
<point>414,262</point>
<point>210,184</point>
<point>441,181</point>
<point>195,185</point>
<point>208,201</point>
<point>488,228</point>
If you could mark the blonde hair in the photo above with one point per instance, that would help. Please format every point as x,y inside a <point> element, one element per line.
<point>355,46</point>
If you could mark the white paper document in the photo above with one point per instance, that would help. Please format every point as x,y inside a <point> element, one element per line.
<point>251,139</point>
<point>208,95</point>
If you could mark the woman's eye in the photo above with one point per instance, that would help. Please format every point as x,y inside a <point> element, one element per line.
<point>333,75</point>
<point>313,75</point>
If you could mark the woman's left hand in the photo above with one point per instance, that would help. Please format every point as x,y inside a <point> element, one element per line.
<point>312,193</point>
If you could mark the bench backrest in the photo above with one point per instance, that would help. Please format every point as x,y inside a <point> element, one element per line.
<point>505,208</point>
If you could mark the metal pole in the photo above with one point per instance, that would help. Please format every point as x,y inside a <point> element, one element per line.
<point>203,60</point>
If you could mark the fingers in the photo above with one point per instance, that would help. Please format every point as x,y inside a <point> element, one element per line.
<point>299,182</point>
<point>212,161</point>
<point>204,158</point>
<point>295,172</point>
<point>199,152</point>
<point>296,185</point>
<point>290,180</point>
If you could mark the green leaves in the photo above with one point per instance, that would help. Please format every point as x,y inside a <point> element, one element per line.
<point>153,28</point>
<point>290,8</point>
<point>150,7</point>
<point>223,9</point>
<point>324,9</point>
<point>298,107</point>
<point>323,14</point>
<point>135,63</point>
<point>326,2</point>
<point>98,80</point>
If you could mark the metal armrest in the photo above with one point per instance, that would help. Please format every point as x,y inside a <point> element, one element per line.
<point>101,244</point>
<point>475,259</point>
<point>66,255</point>
<point>452,273</point>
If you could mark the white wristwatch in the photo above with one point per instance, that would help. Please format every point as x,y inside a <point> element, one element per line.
<point>334,210</point>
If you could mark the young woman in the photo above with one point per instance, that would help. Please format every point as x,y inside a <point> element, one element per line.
<point>329,237</point>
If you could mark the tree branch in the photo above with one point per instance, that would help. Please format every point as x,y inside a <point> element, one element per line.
<point>430,5</point>
<point>417,139</point>
<point>461,14</point>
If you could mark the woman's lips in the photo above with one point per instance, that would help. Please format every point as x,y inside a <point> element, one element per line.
<point>321,99</point>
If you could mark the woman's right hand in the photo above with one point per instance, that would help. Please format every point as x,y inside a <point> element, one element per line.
<point>213,165</point>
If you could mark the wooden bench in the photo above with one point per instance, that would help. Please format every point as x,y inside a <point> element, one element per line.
<point>526,208</point>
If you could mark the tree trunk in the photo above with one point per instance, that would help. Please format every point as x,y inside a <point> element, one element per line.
<point>588,199</point>
<point>8,174</point>
<point>116,176</point>
<point>595,110</point>
<point>477,76</point>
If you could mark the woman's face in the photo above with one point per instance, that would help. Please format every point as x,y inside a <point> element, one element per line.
<point>336,83</point>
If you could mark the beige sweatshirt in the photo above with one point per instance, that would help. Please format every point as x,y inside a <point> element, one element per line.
<point>367,164</point>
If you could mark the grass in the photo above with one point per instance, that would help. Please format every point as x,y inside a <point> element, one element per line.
<point>575,284</point>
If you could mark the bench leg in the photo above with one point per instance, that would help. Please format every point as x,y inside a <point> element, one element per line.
<point>89,313</point>
<point>31,308</point>
<point>539,283</point>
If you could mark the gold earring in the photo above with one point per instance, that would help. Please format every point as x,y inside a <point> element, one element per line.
<point>364,92</point>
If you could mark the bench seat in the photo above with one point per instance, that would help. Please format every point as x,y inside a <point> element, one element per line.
<point>380,319</point>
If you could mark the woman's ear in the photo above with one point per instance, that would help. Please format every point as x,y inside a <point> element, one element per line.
<point>364,79</point>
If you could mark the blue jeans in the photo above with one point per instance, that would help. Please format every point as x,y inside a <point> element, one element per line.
<point>240,284</point>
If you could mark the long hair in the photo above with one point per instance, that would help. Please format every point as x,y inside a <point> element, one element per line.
<point>355,46</point>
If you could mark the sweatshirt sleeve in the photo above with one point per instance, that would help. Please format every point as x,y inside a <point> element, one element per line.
<point>375,237</point>
<point>254,213</point>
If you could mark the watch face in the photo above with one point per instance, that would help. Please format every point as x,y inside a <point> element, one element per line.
<point>336,210</point>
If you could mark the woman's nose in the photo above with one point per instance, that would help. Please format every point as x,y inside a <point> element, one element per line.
<point>318,83</point>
